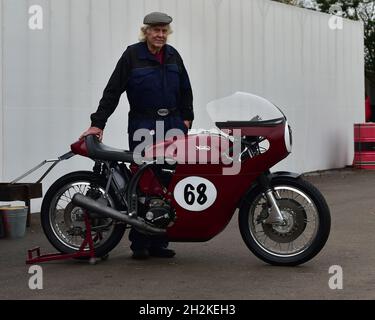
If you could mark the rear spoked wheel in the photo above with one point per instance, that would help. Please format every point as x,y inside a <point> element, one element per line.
<point>64,223</point>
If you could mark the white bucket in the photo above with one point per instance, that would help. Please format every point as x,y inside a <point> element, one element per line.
<point>13,221</point>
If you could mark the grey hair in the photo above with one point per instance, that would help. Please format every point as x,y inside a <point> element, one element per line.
<point>145,27</point>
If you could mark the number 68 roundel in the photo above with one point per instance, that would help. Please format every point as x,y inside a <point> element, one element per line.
<point>195,193</point>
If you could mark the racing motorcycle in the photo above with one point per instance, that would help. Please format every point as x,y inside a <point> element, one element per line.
<point>168,189</point>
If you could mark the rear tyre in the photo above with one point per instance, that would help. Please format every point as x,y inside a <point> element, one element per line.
<point>63,222</point>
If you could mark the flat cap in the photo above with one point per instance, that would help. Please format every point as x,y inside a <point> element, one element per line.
<point>157,18</point>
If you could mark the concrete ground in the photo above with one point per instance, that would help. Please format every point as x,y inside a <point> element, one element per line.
<point>222,268</point>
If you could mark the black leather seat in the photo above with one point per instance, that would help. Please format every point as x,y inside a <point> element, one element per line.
<point>100,151</point>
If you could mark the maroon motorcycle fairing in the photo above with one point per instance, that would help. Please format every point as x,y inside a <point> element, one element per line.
<point>204,225</point>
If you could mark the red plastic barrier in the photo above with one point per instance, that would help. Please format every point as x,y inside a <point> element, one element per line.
<point>364,146</point>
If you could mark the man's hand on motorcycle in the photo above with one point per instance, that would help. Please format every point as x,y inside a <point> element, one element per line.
<point>93,130</point>
<point>187,123</point>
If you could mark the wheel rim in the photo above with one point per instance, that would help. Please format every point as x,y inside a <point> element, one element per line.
<point>299,231</point>
<point>67,220</point>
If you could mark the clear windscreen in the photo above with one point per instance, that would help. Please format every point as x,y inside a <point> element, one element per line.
<point>242,106</point>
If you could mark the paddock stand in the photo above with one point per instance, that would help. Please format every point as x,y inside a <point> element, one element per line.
<point>26,191</point>
<point>81,253</point>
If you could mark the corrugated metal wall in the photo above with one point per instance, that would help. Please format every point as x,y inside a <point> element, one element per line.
<point>52,79</point>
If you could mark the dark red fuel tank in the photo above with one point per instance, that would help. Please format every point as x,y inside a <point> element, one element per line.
<point>193,149</point>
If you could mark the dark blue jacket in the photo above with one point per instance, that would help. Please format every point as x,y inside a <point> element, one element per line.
<point>149,85</point>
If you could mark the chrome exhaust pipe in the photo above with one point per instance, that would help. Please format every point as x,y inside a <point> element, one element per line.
<point>92,205</point>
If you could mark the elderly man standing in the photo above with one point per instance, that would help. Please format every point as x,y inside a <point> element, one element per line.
<point>158,89</point>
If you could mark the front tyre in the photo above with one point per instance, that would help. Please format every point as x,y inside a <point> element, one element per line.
<point>306,226</point>
<point>63,222</point>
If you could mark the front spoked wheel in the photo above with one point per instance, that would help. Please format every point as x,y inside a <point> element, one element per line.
<point>304,231</point>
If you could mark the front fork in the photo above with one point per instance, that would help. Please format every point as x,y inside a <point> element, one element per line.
<point>274,214</point>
